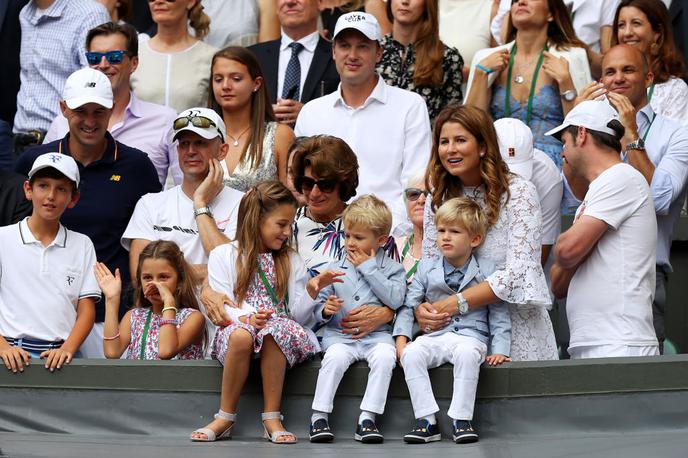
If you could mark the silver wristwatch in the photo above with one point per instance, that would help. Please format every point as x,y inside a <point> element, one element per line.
<point>462,306</point>
<point>569,95</point>
<point>639,144</point>
<point>202,211</point>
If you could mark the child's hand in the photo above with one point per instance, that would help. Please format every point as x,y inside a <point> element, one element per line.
<point>259,319</point>
<point>359,257</point>
<point>497,359</point>
<point>56,357</point>
<point>15,358</point>
<point>156,288</point>
<point>401,343</point>
<point>323,280</point>
<point>332,306</point>
<point>111,285</point>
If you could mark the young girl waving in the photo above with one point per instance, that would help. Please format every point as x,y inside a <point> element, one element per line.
<point>274,313</point>
<point>166,322</point>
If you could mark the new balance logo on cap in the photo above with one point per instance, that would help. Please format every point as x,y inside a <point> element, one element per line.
<point>90,84</point>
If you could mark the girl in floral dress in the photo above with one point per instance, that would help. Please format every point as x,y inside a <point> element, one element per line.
<point>275,307</point>
<point>166,323</point>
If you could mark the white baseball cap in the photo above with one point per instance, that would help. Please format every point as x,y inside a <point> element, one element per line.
<point>215,128</point>
<point>63,163</point>
<point>87,85</point>
<point>363,22</point>
<point>591,114</point>
<point>516,145</point>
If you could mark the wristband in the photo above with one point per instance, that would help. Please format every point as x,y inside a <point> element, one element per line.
<point>111,338</point>
<point>173,321</point>
<point>169,308</point>
<point>485,69</point>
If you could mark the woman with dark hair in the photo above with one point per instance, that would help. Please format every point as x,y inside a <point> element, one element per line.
<point>414,58</point>
<point>538,73</point>
<point>120,10</point>
<point>465,161</point>
<point>645,24</point>
<point>173,64</point>
<point>258,145</point>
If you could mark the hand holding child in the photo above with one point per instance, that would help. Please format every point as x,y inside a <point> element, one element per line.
<point>55,358</point>
<point>332,306</point>
<point>15,358</point>
<point>497,359</point>
<point>111,285</point>
<point>359,257</point>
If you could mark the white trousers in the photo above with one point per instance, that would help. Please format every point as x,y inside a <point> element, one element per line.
<point>612,351</point>
<point>93,345</point>
<point>381,358</point>
<point>426,352</point>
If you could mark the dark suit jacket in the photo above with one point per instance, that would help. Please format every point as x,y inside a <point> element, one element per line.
<point>321,79</point>
<point>678,12</point>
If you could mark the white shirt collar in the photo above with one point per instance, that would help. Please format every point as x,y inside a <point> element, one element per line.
<point>379,94</point>
<point>309,42</point>
<point>28,237</point>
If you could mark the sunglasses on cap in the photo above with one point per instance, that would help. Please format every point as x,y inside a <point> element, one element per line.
<point>113,57</point>
<point>308,183</point>
<point>413,194</point>
<point>196,121</point>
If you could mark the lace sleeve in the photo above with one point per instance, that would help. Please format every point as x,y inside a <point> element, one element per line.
<point>430,249</point>
<point>670,99</point>
<point>522,281</point>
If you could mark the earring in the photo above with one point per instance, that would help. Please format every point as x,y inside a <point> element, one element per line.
<point>654,49</point>
<point>482,154</point>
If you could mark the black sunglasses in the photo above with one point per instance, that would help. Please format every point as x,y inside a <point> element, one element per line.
<point>113,57</point>
<point>413,194</point>
<point>308,183</point>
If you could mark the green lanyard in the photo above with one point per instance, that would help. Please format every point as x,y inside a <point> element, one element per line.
<point>144,336</point>
<point>654,115</point>
<point>529,109</point>
<point>271,291</point>
<point>407,247</point>
<point>649,94</point>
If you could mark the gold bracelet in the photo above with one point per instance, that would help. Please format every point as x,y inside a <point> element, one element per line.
<point>169,308</point>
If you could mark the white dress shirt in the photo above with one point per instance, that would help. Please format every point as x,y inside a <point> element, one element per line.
<point>309,43</point>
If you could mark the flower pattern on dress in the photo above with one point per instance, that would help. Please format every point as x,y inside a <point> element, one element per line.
<point>289,335</point>
<point>317,243</point>
<point>398,71</point>
<point>513,244</point>
<point>138,323</point>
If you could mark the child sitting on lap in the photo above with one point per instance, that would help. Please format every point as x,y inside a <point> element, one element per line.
<point>461,227</point>
<point>369,278</point>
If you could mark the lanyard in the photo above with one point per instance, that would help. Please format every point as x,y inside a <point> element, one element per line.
<point>529,109</point>
<point>144,336</point>
<point>649,94</point>
<point>404,252</point>
<point>271,291</point>
<point>654,115</point>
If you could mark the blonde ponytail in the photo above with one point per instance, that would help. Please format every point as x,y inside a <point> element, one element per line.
<point>199,21</point>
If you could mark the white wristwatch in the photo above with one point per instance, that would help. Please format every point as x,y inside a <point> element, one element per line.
<point>202,211</point>
<point>462,306</point>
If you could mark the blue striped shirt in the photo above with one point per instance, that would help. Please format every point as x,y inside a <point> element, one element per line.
<point>52,48</point>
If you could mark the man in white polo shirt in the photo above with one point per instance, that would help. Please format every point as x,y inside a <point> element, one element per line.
<point>199,214</point>
<point>387,128</point>
<point>606,260</point>
<point>48,289</point>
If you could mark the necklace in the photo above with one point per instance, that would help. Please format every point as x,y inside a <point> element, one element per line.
<point>236,139</point>
<point>529,109</point>
<point>519,78</point>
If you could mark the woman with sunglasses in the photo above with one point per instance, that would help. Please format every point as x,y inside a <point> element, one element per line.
<point>258,145</point>
<point>410,245</point>
<point>173,64</point>
<point>465,161</point>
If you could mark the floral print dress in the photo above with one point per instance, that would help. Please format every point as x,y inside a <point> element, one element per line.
<point>289,335</point>
<point>138,324</point>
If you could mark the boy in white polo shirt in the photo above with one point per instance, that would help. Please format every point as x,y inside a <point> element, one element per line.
<point>47,285</point>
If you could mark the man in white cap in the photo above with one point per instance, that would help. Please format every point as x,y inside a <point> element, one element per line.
<point>605,263</point>
<point>388,128</point>
<point>516,146</point>
<point>200,213</point>
<point>47,288</point>
<point>114,177</point>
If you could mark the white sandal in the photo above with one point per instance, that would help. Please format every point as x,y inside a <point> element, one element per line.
<point>210,435</point>
<point>275,434</point>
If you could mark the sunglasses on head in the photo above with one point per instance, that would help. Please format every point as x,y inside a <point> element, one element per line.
<point>196,121</point>
<point>308,183</point>
<point>413,194</point>
<point>113,57</point>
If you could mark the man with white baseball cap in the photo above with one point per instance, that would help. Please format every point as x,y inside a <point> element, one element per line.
<point>387,127</point>
<point>605,263</point>
<point>114,177</point>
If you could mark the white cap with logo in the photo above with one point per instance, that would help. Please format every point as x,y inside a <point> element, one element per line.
<point>61,162</point>
<point>516,145</point>
<point>87,85</point>
<point>363,22</point>
<point>202,121</point>
<point>591,114</point>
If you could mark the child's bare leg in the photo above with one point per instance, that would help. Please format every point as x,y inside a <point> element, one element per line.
<point>234,373</point>
<point>273,365</point>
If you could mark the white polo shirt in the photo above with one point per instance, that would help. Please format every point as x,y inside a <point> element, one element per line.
<point>40,286</point>
<point>169,215</point>
<point>589,16</point>
<point>389,133</point>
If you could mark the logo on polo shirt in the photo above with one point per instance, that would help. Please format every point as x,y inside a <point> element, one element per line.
<point>115,177</point>
<point>70,279</point>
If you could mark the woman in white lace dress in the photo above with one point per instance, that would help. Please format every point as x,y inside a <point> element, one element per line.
<point>465,160</point>
<point>646,25</point>
<point>258,145</point>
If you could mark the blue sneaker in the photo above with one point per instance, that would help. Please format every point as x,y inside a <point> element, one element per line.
<point>320,431</point>
<point>423,433</point>
<point>464,433</point>
<point>367,433</point>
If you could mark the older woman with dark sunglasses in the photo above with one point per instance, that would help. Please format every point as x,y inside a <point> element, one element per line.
<point>410,245</point>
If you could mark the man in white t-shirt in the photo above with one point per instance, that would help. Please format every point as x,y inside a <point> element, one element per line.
<point>386,127</point>
<point>605,263</point>
<point>199,214</point>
